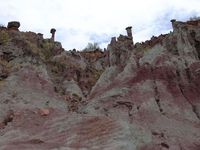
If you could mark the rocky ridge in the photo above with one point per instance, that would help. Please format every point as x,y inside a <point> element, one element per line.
<point>142,96</point>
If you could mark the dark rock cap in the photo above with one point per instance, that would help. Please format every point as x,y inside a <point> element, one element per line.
<point>52,30</point>
<point>173,20</point>
<point>13,25</point>
<point>129,27</point>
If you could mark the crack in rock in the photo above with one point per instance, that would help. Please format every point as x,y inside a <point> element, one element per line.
<point>194,109</point>
<point>156,93</point>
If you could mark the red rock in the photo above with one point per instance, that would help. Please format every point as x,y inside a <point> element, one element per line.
<point>44,112</point>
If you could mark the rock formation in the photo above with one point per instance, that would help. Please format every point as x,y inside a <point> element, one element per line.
<point>143,96</point>
<point>129,31</point>
<point>13,25</point>
<point>120,48</point>
<point>53,31</point>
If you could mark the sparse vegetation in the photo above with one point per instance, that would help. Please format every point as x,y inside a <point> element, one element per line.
<point>97,74</point>
<point>45,51</point>
<point>34,49</point>
<point>57,67</point>
<point>6,68</point>
<point>5,64</point>
<point>92,47</point>
<point>48,48</point>
<point>48,45</point>
<point>194,18</point>
<point>2,26</point>
<point>4,37</point>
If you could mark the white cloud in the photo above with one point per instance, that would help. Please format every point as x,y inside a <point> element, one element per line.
<point>78,21</point>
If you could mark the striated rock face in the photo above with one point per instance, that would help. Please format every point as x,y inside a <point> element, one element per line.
<point>131,97</point>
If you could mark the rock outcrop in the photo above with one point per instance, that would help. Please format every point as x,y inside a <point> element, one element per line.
<point>13,25</point>
<point>142,96</point>
<point>120,49</point>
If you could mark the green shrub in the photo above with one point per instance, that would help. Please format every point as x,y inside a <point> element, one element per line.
<point>92,47</point>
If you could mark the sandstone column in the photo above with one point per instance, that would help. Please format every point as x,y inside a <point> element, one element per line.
<point>129,32</point>
<point>53,31</point>
<point>173,21</point>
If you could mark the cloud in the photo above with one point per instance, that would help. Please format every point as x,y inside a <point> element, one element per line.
<point>81,21</point>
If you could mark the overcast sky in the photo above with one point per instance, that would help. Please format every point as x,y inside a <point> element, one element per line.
<point>81,21</point>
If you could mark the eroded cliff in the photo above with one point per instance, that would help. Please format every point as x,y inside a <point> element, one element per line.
<point>142,96</point>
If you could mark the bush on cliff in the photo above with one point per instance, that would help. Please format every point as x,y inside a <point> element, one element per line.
<point>92,47</point>
<point>194,18</point>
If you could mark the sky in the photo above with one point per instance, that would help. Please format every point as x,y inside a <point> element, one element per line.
<point>79,22</point>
